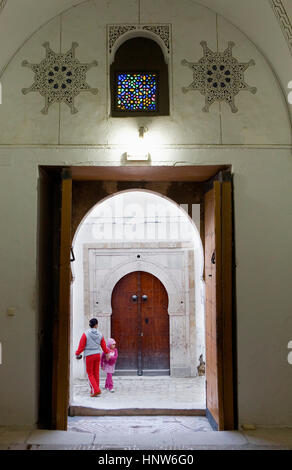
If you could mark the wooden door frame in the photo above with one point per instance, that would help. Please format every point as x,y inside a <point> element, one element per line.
<point>61,365</point>
<point>228,307</point>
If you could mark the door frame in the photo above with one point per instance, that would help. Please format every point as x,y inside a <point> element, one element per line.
<point>61,337</point>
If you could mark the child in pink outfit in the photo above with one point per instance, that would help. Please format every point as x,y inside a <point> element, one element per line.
<point>108,363</point>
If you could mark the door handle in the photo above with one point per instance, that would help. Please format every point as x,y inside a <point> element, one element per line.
<point>72,258</point>
<point>213,258</point>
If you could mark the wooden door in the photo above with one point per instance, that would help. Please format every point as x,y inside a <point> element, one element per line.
<point>154,323</point>
<point>125,321</point>
<point>140,324</point>
<point>61,339</point>
<point>218,324</point>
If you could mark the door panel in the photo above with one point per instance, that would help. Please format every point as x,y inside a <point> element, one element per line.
<point>213,313</point>
<point>125,321</point>
<point>141,326</point>
<point>154,323</point>
<point>218,279</point>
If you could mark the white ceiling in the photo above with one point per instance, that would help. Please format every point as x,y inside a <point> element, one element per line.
<point>19,19</point>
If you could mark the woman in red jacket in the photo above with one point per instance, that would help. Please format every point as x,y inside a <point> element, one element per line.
<point>92,343</point>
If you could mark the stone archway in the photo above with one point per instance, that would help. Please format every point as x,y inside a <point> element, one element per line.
<point>170,284</point>
<point>98,301</point>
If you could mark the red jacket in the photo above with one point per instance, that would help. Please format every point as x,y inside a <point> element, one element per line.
<point>82,345</point>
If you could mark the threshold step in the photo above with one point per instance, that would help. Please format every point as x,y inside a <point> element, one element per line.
<point>75,410</point>
<point>143,373</point>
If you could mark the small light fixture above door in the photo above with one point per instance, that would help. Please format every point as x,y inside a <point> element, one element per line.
<point>138,150</point>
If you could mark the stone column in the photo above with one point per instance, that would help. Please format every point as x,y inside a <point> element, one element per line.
<point>179,347</point>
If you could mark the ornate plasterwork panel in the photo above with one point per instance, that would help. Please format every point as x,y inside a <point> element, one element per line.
<point>115,31</point>
<point>284,21</point>
<point>218,76</point>
<point>162,31</point>
<point>60,77</point>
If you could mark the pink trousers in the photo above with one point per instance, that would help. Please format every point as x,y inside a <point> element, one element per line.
<point>109,381</point>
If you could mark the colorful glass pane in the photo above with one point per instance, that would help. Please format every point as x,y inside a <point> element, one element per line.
<point>137,92</point>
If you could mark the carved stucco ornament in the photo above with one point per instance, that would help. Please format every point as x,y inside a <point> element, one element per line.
<point>160,30</point>
<point>218,76</point>
<point>60,77</point>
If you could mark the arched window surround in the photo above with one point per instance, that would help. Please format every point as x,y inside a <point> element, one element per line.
<point>140,55</point>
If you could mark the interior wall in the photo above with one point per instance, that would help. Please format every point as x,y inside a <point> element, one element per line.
<point>256,141</point>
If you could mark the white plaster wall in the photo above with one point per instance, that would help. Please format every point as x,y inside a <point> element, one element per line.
<point>261,166</point>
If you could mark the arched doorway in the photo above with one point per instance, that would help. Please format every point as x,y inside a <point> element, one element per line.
<point>140,324</point>
<point>140,230</point>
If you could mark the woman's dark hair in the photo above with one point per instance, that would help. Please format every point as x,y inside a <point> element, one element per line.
<point>93,322</point>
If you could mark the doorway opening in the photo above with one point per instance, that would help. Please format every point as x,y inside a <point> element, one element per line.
<point>66,195</point>
<point>138,268</point>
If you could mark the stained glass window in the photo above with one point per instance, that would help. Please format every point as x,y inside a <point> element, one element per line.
<point>137,92</point>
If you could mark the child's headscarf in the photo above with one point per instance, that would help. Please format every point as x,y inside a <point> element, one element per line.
<point>110,341</point>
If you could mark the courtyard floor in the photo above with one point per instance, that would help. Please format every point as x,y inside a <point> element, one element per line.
<point>142,393</point>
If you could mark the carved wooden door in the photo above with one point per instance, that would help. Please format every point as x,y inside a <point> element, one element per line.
<point>140,324</point>
<point>218,277</point>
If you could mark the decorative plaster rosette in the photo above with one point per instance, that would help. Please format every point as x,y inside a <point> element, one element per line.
<point>218,76</point>
<point>60,77</point>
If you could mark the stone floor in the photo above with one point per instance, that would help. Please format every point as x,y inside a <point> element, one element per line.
<point>162,392</point>
<point>138,432</point>
<point>172,433</point>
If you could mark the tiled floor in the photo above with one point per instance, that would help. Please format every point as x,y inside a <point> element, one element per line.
<point>138,432</point>
<point>144,433</point>
<point>133,425</point>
